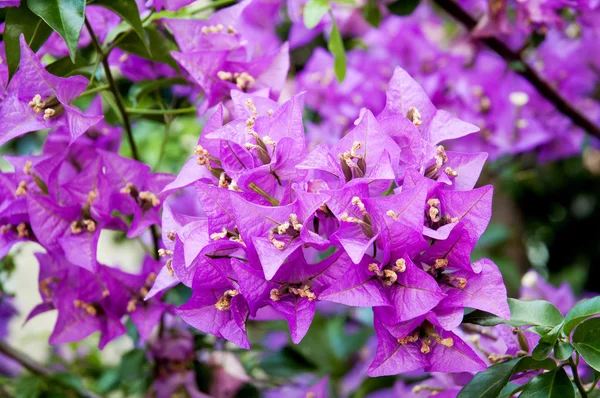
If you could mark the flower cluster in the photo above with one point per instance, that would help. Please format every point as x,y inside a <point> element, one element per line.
<point>66,196</point>
<point>455,71</point>
<point>386,218</point>
<point>375,205</point>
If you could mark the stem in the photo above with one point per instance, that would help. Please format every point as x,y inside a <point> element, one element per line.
<point>179,111</point>
<point>94,90</point>
<point>124,116</point>
<point>31,364</point>
<point>214,4</point>
<point>542,86</point>
<point>25,360</point>
<point>576,379</point>
<point>115,90</point>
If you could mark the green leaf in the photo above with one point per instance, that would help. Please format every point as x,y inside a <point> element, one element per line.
<point>314,10</point>
<point>108,381</point>
<point>128,10</point>
<point>132,332</point>
<point>144,87</point>
<point>553,384</point>
<point>563,350</point>
<point>132,365</point>
<point>403,7</point>
<point>491,382</point>
<point>371,13</point>
<point>482,318</point>
<point>336,48</point>
<point>64,67</point>
<point>22,21</point>
<point>581,311</point>
<point>69,381</point>
<point>533,313</point>
<point>286,363</point>
<point>586,340</point>
<point>29,386</point>
<point>160,46</point>
<point>522,313</point>
<point>64,16</point>
<point>517,66</point>
<point>541,351</point>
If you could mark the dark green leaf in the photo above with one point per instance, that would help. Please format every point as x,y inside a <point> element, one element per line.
<point>128,10</point>
<point>581,311</point>
<point>403,7</point>
<point>517,66</point>
<point>132,332</point>
<point>522,313</point>
<point>203,375</point>
<point>142,88</point>
<point>510,390</point>
<point>108,381</point>
<point>178,295</point>
<point>537,38</point>
<point>64,67</point>
<point>483,318</point>
<point>132,365</point>
<point>160,46</point>
<point>248,391</point>
<point>541,351</point>
<point>344,344</point>
<point>64,16</point>
<point>371,13</point>
<point>286,363</point>
<point>563,350</point>
<point>22,21</point>
<point>70,382</point>
<point>491,382</point>
<point>553,384</point>
<point>586,340</point>
<point>336,48</point>
<point>314,10</point>
<point>29,386</point>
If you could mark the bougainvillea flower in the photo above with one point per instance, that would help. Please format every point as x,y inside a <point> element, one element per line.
<point>37,100</point>
<point>136,191</point>
<point>421,344</point>
<point>85,306</point>
<point>406,97</point>
<point>9,3</point>
<point>401,288</point>
<point>145,314</point>
<point>293,291</point>
<point>222,312</point>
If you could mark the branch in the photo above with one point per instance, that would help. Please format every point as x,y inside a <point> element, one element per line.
<point>124,116</point>
<point>32,365</point>
<point>115,90</point>
<point>542,86</point>
<point>576,378</point>
<point>25,360</point>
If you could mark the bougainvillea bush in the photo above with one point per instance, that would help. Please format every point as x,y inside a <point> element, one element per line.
<point>303,189</point>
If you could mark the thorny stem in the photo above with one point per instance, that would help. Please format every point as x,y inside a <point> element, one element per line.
<point>124,115</point>
<point>542,86</point>
<point>31,364</point>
